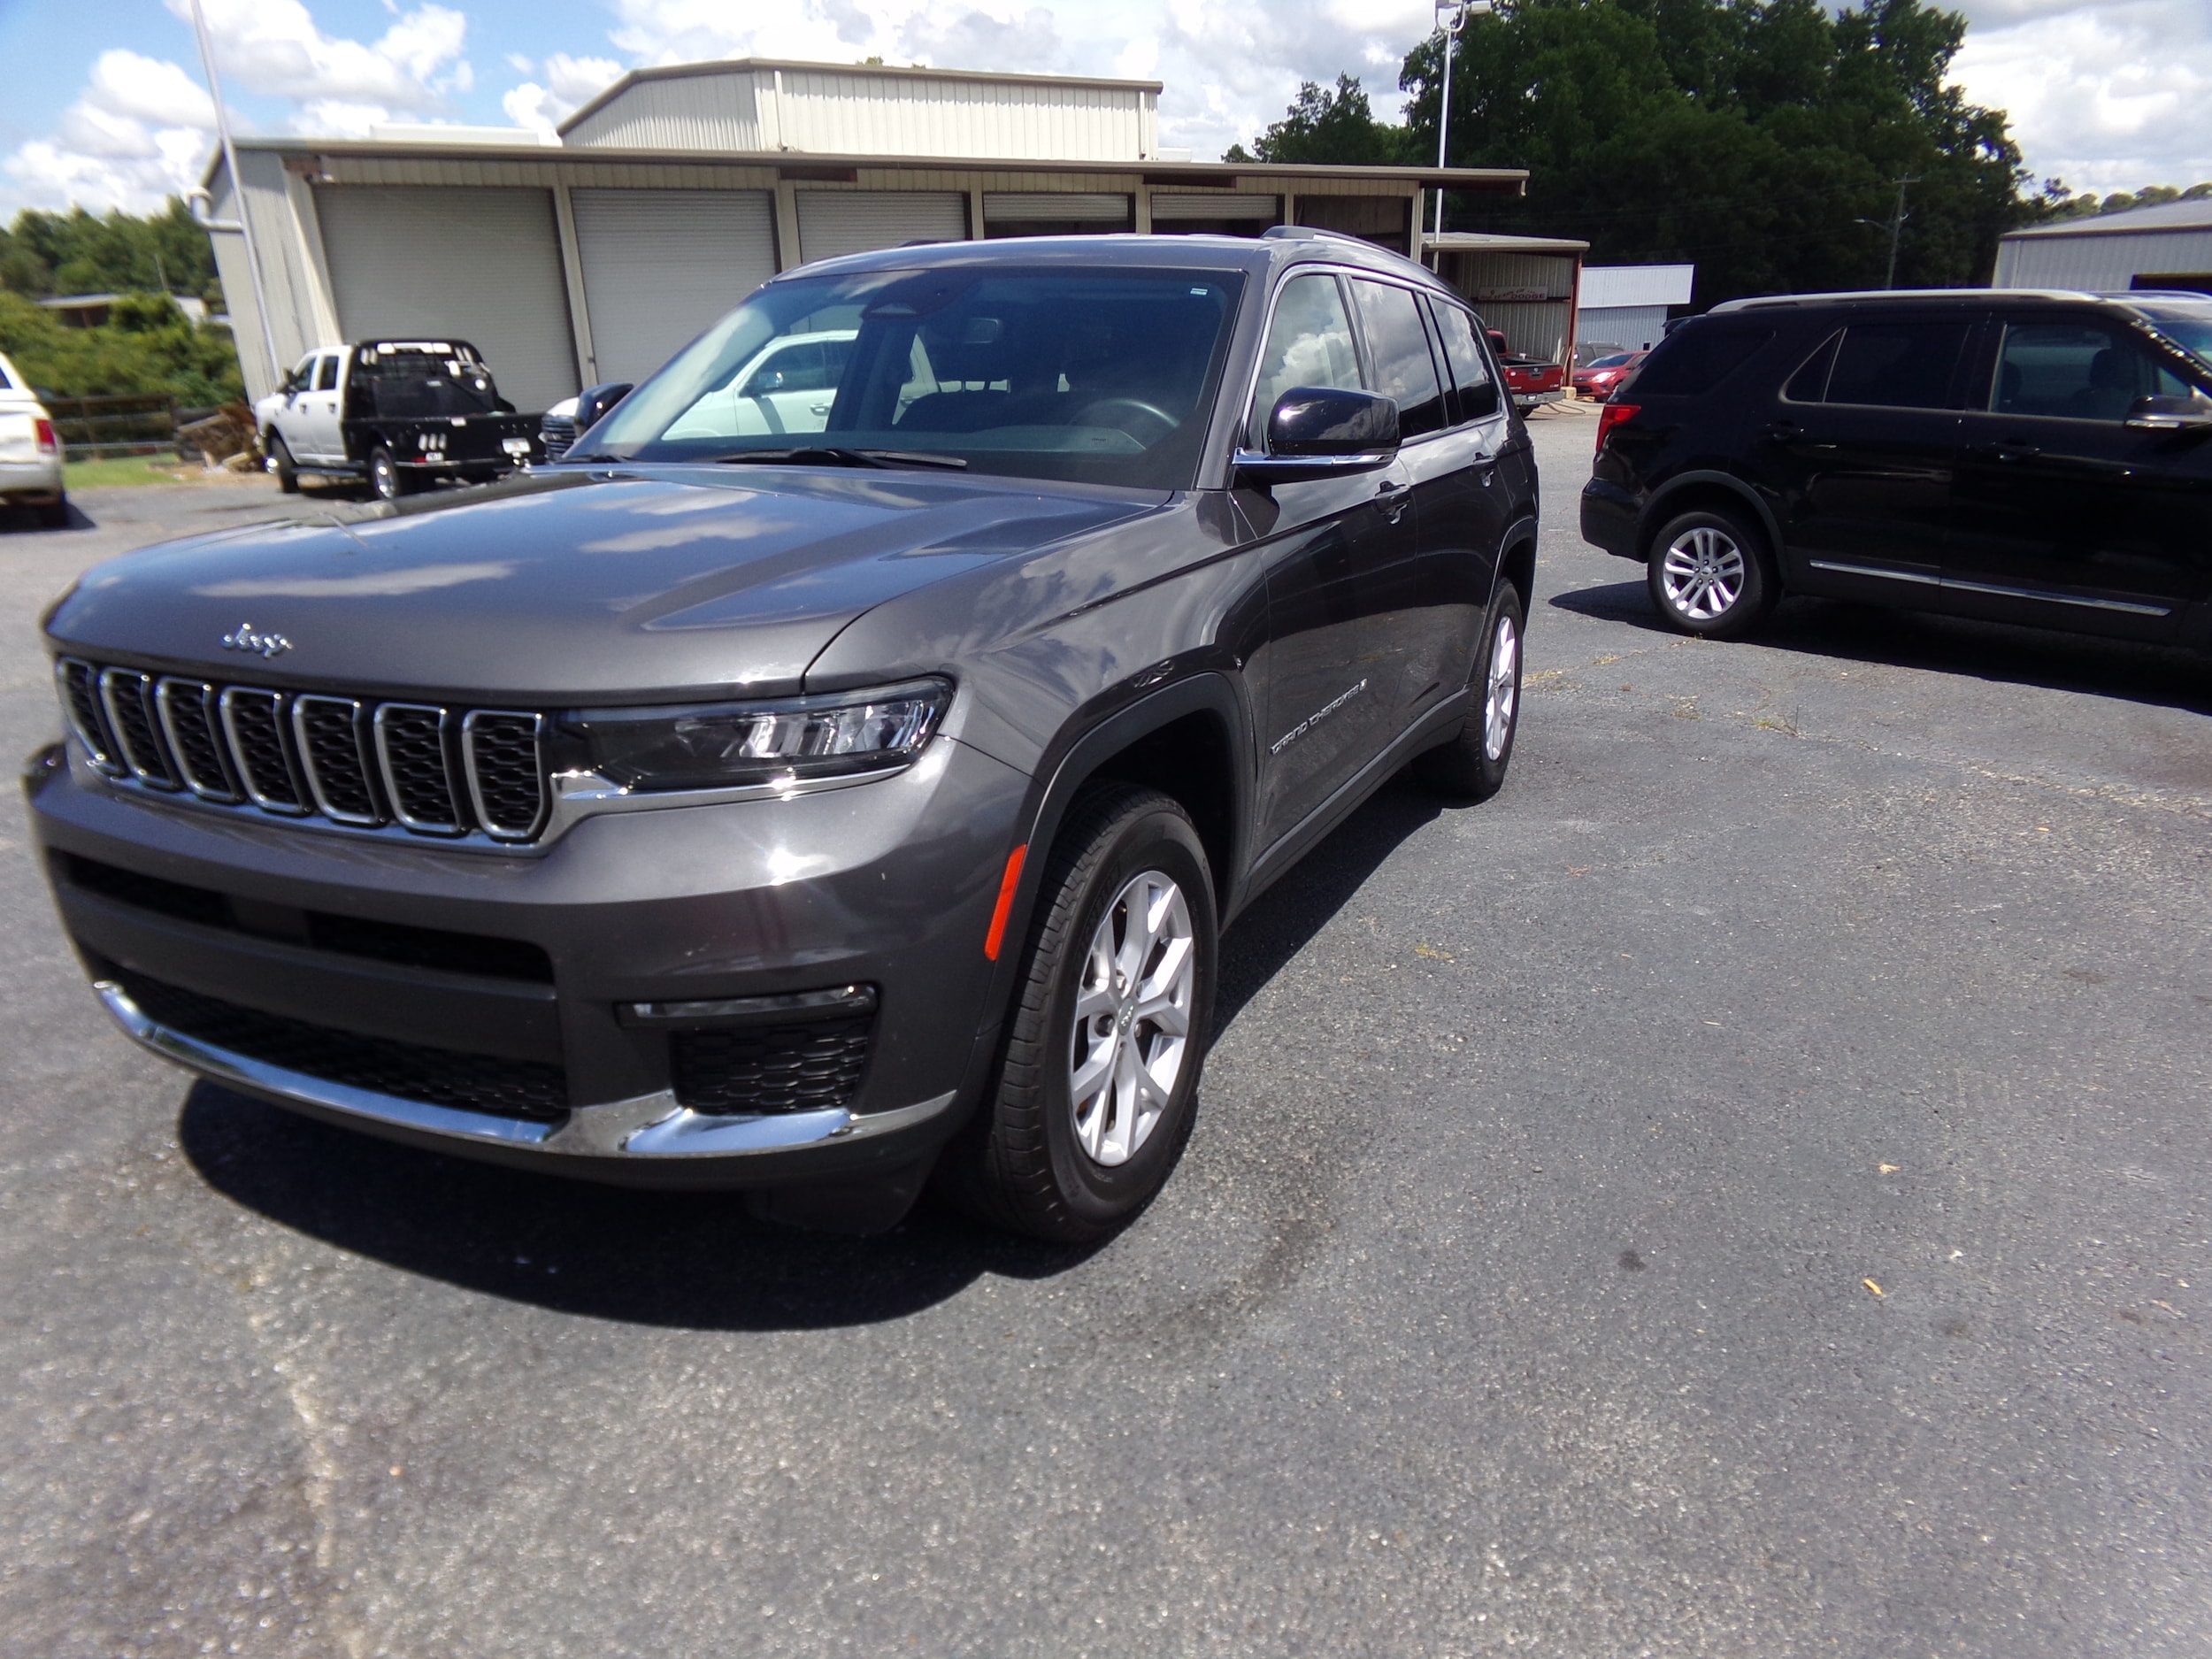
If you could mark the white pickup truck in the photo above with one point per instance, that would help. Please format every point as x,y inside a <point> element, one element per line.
<point>397,413</point>
<point>30,455</point>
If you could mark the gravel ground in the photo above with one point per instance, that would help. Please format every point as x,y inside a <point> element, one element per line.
<point>1742,1191</point>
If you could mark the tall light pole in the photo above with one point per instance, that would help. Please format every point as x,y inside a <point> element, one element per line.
<point>1895,225</point>
<point>237,190</point>
<point>1451,18</point>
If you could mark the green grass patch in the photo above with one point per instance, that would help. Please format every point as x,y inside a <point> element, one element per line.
<point>127,469</point>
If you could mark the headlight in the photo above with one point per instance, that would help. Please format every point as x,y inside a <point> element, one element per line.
<point>714,745</point>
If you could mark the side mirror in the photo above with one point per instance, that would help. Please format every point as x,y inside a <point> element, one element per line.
<point>594,402</point>
<point>1323,432</point>
<point>2171,414</point>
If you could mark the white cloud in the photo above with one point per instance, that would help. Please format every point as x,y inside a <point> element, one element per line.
<point>274,48</point>
<point>570,82</point>
<point>2105,96</point>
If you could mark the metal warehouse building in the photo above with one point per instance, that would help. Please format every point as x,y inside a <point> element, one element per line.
<point>678,190</point>
<point>1626,305</point>
<point>2168,246</point>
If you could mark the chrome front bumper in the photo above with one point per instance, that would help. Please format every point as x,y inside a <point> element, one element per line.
<point>652,1129</point>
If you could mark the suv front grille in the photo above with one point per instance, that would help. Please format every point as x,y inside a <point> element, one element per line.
<point>437,1076</point>
<point>740,1069</point>
<point>353,761</point>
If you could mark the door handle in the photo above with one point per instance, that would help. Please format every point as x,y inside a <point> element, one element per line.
<point>2010,449</point>
<point>1393,497</point>
<point>1781,429</point>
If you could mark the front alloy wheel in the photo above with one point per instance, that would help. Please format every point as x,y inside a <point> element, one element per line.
<point>1471,764</point>
<point>1131,1017</point>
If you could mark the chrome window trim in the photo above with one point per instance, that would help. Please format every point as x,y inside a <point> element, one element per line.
<point>224,790</point>
<point>141,687</point>
<point>421,826</point>
<point>502,833</point>
<point>229,706</point>
<point>302,705</point>
<point>94,743</point>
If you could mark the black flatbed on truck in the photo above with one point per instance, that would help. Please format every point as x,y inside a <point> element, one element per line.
<point>399,414</point>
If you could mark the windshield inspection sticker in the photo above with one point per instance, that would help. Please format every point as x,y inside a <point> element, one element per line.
<point>1312,720</point>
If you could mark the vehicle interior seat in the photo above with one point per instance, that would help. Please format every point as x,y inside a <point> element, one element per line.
<point>2111,391</point>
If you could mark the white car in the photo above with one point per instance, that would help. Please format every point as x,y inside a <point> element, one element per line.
<point>30,454</point>
<point>786,388</point>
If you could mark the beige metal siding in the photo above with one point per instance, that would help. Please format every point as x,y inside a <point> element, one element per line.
<point>2097,263</point>
<point>683,112</point>
<point>433,262</point>
<point>1170,205</point>
<point>661,265</point>
<point>1537,330</point>
<point>838,114</point>
<point>288,276</point>
<point>1016,206</point>
<point>833,222</point>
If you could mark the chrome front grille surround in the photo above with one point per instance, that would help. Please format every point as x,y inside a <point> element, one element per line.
<point>419,769</point>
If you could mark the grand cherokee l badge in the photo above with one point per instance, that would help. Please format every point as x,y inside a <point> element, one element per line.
<point>244,638</point>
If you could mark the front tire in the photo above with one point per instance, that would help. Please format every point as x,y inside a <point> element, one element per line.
<point>1472,766</point>
<point>1709,574</point>
<point>288,472</point>
<point>385,478</point>
<point>1097,1083</point>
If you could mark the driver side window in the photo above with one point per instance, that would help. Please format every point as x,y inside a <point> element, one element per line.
<point>2074,372</point>
<point>1308,344</point>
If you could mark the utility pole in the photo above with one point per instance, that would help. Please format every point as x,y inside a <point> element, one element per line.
<point>237,191</point>
<point>1895,225</point>
<point>1451,17</point>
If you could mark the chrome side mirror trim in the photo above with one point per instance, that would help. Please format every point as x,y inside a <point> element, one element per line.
<point>1257,466</point>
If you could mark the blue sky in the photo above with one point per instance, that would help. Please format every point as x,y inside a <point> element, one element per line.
<point>102,105</point>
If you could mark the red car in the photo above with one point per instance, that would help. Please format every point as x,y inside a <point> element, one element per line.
<point>1599,380</point>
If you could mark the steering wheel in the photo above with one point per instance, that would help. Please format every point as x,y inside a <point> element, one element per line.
<point>1091,417</point>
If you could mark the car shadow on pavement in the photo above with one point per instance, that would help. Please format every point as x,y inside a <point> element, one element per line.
<point>2165,675</point>
<point>693,1260</point>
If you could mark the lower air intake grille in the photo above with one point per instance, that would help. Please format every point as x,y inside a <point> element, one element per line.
<point>740,1069</point>
<point>437,1077</point>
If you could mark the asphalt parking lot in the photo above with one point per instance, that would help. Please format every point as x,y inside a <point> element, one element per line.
<point>1744,1191</point>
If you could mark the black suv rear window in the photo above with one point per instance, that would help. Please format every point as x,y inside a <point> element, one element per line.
<point>1696,359</point>
<point>1904,365</point>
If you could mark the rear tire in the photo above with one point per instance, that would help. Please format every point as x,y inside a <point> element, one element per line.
<point>1097,1083</point>
<point>55,514</point>
<point>1710,573</point>
<point>385,478</point>
<point>288,474</point>
<point>1472,766</point>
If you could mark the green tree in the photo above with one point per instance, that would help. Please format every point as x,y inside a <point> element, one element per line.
<point>1325,127</point>
<point>75,252</point>
<point>147,345</point>
<point>1752,137</point>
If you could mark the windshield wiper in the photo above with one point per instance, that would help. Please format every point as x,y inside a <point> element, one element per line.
<point>817,456</point>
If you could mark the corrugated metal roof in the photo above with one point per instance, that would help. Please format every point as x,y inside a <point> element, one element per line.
<point>1484,241</point>
<point>2191,215</point>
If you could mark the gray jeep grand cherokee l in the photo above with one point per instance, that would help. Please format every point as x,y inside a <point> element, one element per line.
<point>793,795</point>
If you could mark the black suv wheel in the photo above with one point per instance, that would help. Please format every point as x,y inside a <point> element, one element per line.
<point>1472,766</point>
<point>1711,574</point>
<point>1099,1077</point>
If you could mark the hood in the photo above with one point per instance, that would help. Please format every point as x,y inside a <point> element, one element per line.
<point>562,585</point>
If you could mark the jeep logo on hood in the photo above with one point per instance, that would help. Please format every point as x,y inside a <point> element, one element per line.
<point>245,637</point>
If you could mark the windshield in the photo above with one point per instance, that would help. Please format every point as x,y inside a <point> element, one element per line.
<point>1094,376</point>
<point>421,385</point>
<point>1620,362</point>
<point>2188,327</point>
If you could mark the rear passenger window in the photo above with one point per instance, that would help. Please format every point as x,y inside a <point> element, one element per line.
<point>1308,344</point>
<point>1404,371</point>
<point>1697,357</point>
<point>1896,365</point>
<point>1474,394</point>
<point>326,374</point>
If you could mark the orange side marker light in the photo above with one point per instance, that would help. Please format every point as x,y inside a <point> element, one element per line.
<point>1008,883</point>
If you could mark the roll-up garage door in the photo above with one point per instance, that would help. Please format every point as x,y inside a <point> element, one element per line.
<point>454,261</point>
<point>833,222</point>
<point>1169,207</point>
<point>662,265</point>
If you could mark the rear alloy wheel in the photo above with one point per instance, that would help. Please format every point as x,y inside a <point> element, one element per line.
<point>1098,1081</point>
<point>1709,574</point>
<point>287,473</point>
<point>385,478</point>
<point>1472,766</point>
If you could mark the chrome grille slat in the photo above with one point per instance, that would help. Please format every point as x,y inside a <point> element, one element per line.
<point>412,743</point>
<point>393,769</point>
<point>329,733</point>
<point>80,685</point>
<point>254,722</point>
<point>127,697</point>
<point>499,752</point>
<point>187,708</point>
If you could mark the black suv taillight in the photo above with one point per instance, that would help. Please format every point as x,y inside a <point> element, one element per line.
<point>1612,415</point>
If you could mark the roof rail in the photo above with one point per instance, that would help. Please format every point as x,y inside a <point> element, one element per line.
<point>1903,294</point>
<point>1315,232</point>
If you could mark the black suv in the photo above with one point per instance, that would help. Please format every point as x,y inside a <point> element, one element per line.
<point>2027,456</point>
<point>790,788</point>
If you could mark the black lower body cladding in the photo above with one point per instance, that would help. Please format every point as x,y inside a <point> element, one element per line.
<point>737,996</point>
